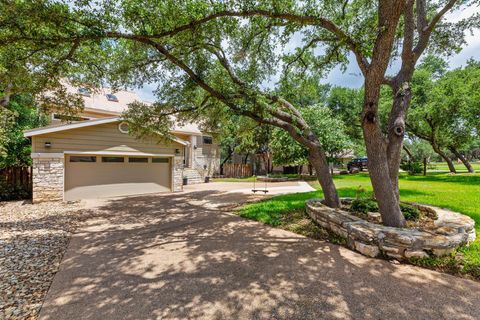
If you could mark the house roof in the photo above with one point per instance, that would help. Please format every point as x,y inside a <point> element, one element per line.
<point>98,99</point>
<point>98,102</point>
<point>82,124</point>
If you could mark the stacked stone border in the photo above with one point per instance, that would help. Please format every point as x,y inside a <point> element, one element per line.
<point>450,231</point>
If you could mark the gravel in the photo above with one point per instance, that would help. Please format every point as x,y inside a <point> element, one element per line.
<point>33,239</point>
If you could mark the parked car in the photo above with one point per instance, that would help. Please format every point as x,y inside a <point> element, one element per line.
<point>357,163</point>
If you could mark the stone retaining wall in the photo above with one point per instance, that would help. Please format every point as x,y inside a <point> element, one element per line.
<point>451,230</point>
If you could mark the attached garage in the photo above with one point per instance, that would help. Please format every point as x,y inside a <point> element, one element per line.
<point>99,176</point>
<point>99,159</point>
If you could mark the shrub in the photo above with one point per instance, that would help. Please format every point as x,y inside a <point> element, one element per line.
<point>12,192</point>
<point>409,212</point>
<point>412,167</point>
<point>364,205</point>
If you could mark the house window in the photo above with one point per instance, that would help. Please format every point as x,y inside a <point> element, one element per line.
<point>159,160</point>
<point>113,159</point>
<point>207,140</point>
<point>111,97</point>
<point>83,159</point>
<point>84,92</point>
<point>123,127</point>
<point>138,159</point>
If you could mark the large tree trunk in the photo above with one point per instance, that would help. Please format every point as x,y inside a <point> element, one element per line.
<point>462,158</point>
<point>318,160</point>
<point>442,154</point>
<point>378,165</point>
<point>396,130</point>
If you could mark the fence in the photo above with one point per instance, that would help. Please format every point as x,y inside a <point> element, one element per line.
<point>15,183</point>
<point>237,170</point>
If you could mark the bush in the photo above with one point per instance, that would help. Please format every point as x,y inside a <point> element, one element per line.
<point>364,205</point>
<point>410,212</point>
<point>412,167</point>
<point>369,205</point>
<point>12,192</point>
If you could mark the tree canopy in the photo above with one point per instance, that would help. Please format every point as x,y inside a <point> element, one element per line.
<point>445,109</point>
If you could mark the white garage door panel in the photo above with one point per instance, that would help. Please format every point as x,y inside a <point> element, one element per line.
<point>86,180</point>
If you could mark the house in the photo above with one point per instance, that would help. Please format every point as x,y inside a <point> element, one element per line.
<point>93,155</point>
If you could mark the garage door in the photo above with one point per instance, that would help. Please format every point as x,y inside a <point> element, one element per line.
<point>88,177</point>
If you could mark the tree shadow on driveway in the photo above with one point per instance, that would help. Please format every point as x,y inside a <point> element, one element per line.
<point>170,257</point>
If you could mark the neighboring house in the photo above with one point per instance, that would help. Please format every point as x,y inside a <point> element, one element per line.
<point>94,156</point>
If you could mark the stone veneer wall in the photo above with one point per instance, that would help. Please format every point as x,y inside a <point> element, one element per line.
<point>177,173</point>
<point>451,230</point>
<point>47,180</point>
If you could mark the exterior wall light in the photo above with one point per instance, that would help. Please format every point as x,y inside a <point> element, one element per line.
<point>48,144</point>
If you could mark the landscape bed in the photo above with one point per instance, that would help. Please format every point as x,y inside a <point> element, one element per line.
<point>449,231</point>
<point>33,239</point>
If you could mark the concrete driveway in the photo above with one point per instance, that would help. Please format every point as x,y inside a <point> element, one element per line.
<point>173,257</point>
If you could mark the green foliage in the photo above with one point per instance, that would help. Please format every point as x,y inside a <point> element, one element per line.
<point>12,192</point>
<point>364,206</point>
<point>418,149</point>
<point>39,68</point>
<point>329,130</point>
<point>412,167</point>
<point>21,114</point>
<point>445,106</point>
<point>346,104</point>
<point>409,212</point>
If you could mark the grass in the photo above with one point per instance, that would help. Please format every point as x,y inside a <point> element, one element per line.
<point>246,179</point>
<point>459,193</point>
<point>442,166</point>
<point>271,175</point>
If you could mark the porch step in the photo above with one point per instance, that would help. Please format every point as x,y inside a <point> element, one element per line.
<point>193,176</point>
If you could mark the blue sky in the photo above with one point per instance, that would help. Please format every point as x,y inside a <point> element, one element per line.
<point>352,76</point>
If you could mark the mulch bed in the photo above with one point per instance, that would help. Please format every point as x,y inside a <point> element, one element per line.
<point>33,239</point>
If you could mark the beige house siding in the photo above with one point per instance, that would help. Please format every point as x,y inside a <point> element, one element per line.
<point>206,158</point>
<point>95,114</point>
<point>105,137</point>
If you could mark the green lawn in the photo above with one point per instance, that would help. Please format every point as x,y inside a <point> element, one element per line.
<point>442,166</point>
<point>246,179</point>
<point>460,193</point>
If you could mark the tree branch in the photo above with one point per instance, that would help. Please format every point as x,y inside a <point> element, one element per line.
<point>426,31</point>
<point>300,19</point>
